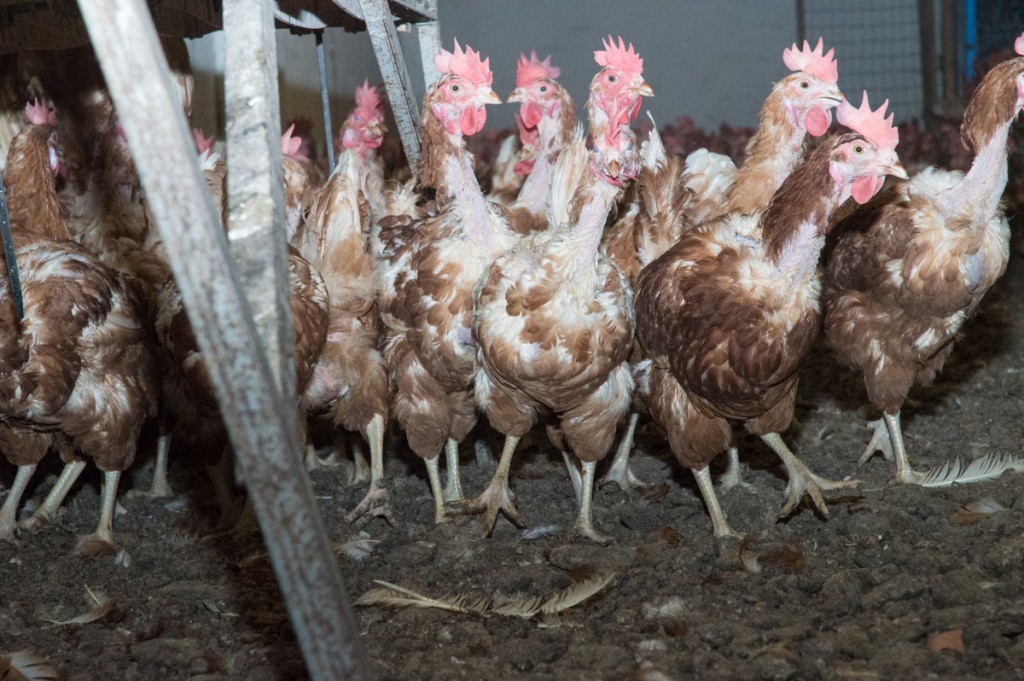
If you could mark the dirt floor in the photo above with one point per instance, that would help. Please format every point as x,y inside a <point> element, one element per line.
<point>899,582</point>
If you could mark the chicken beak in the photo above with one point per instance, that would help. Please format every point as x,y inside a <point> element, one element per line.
<point>613,168</point>
<point>643,89</point>
<point>832,99</point>
<point>518,95</point>
<point>489,96</point>
<point>892,166</point>
<point>377,128</point>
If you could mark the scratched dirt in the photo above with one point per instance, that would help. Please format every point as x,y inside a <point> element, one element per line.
<point>898,582</point>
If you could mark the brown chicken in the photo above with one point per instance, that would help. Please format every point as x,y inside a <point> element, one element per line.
<point>427,270</point>
<point>554,317</point>
<point>350,382</point>
<point>546,119</point>
<point>188,395</point>
<point>673,195</point>
<point>77,373</point>
<point>909,269</point>
<point>725,319</point>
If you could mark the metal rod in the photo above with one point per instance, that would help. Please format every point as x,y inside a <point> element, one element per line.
<point>135,69</point>
<point>325,99</point>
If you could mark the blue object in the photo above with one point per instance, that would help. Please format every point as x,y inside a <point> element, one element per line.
<point>970,38</point>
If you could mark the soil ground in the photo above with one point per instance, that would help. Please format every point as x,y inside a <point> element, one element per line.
<point>858,595</point>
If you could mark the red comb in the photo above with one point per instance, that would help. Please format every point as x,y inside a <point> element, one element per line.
<point>203,143</point>
<point>1018,45</point>
<point>290,145</point>
<point>465,64</point>
<point>619,56</point>
<point>368,99</point>
<point>821,66</point>
<point>39,114</point>
<point>871,125</point>
<point>533,69</point>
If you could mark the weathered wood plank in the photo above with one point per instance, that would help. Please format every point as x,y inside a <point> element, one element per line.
<point>256,228</point>
<point>123,35</point>
<point>381,27</point>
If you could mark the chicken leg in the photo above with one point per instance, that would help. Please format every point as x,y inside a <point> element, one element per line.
<point>585,520</point>
<point>707,490</point>
<point>888,439</point>
<point>497,496</point>
<point>46,513</point>
<point>732,477</point>
<point>376,502</point>
<point>452,490</point>
<point>434,474</point>
<point>574,474</point>
<point>101,542</point>
<point>160,487</point>
<point>9,512</point>
<point>801,479</point>
<point>620,473</point>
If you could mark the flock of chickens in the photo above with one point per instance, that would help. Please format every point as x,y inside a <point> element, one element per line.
<point>599,280</point>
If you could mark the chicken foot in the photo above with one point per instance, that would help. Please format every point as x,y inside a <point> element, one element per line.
<point>46,513</point>
<point>101,542</point>
<point>707,490</point>
<point>801,479</point>
<point>620,473</point>
<point>585,519</point>
<point>376,503</point>
<point>497,496</point>
<point>9,512</point>
<point>887,438</point>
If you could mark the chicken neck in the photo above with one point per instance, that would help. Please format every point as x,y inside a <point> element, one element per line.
<point>982,187</point>
<point>31,188</point>
<point>534,193</point>
<point>596,200</point>
<point>772,154</point>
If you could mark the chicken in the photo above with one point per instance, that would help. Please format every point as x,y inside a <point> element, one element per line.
<point>554,317</point>
<point>428,267</point>
<point>545,120</point>
<point>77,373</point>
<point>910,268</point>
<point>799,104</point>
<point>187,392</point>
<point>350,381</point>
<point>673,196</point>
<point>725,319</point>
<point>300,182</point>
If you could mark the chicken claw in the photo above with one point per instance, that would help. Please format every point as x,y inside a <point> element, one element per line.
<point>376,504</point>
<point>95,546</point>
<point>497,496</point>
<point>584,526</point>
<point>880,442</point>
<point>801,479</point>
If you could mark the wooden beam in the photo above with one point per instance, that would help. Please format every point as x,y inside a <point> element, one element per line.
<point>256,228</point>
<point>429,34</point>
<point>125,41</point>
<point>381,27</point>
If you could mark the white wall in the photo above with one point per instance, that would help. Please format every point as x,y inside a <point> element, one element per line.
<point>714,60</point>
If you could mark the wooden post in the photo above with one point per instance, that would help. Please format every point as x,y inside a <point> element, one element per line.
<point>255,181</point>
<point>429,34</point>
<point>381,27</point>
<point>125,41</point>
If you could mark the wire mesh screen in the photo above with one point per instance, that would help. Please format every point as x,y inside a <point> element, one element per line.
<point>877,46</point>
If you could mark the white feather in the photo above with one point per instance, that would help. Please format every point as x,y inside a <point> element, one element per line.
<point>957,472</point>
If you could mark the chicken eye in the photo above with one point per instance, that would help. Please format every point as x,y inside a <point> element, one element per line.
<point>456,87</point>
<point>858,149</point>
<point>612,78</point>
<point>357,118</point>
<point>543,88</point>
<point>804,84</point>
